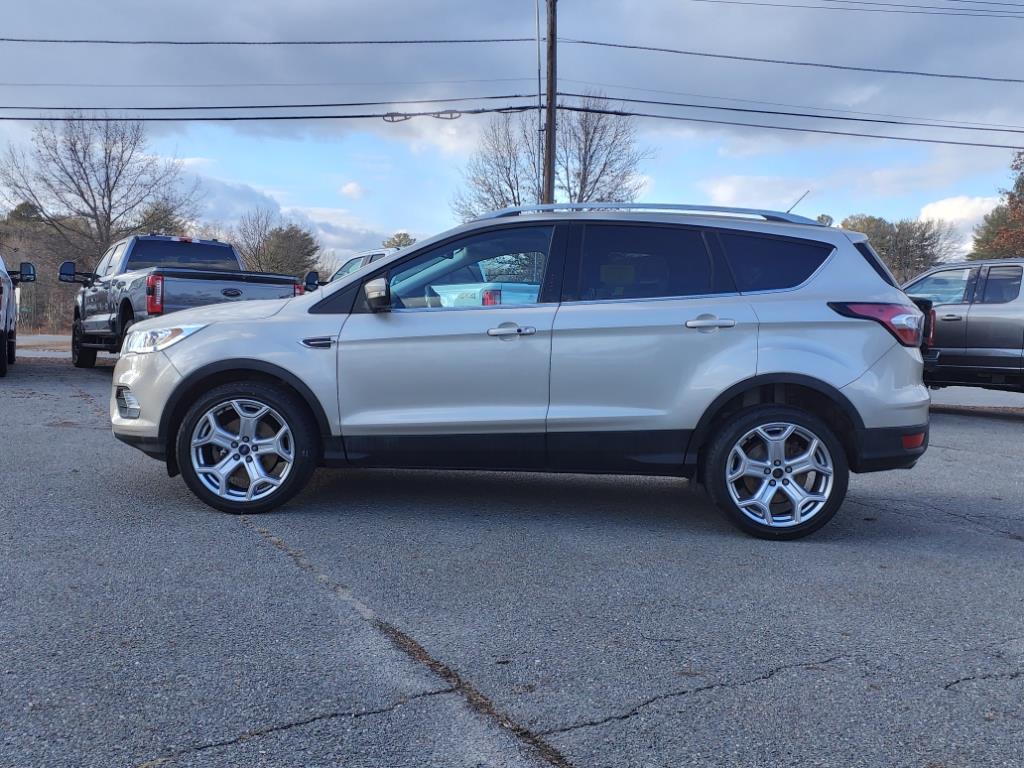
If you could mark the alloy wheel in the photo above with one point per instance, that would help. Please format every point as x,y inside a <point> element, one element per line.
<point>780,474</point>
<point>242,450</point>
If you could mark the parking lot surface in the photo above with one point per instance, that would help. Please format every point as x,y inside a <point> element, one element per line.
<point>391,618</point>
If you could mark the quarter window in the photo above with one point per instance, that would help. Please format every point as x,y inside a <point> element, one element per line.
<point>771,263</point>
<point>630,262</point>
<point>946,287</point>
<point>503,266</point>
<point>1002,285</point>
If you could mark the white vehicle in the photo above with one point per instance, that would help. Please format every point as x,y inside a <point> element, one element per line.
<point>359,261</point>
<point>759,353</point>
<point>26,273</point>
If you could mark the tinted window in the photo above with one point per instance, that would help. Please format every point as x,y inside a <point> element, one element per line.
<point>174,253</point>
<point>504,266</point>
<point>946,287</point>
<point>876,263</point>
<point>629,262</point>
<point>115,260</point>
<point>1003,284</point>
<point>771,263</point>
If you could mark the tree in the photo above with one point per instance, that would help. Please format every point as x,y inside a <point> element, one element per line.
<point>907,246</point>
<point>1001,234</point>
<point>268,245</point>
<point>597,159</point>
<point>92,182</point>
<point>399,240</point>
<point>161,218</point>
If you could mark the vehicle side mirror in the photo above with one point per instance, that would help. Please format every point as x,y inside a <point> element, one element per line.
<point>378,294</point>
<point>68,274</point>
<point>312,281</point>
<point>26,273</point>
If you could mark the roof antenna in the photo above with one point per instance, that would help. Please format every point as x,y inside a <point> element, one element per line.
<point>798,201</point>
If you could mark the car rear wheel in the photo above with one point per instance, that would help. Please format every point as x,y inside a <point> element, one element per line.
<point>247,447</point>
<point>776,472</point>
<point>3,354</point>
<point>12,348</point>
<point>80,358</point>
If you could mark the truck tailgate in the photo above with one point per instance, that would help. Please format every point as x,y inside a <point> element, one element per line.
<point>186,288</point>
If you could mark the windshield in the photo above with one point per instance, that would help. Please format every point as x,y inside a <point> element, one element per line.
<point>177,253</point>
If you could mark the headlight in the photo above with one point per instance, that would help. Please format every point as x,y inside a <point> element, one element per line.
<point>140,342</point>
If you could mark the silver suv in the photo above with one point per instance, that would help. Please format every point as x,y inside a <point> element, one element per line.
<point>759,353</point>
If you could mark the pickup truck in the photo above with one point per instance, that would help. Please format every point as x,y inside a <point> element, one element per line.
<point>147,275</point>
<point>26,273</point>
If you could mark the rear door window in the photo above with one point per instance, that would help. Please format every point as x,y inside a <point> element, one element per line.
<point>946,287</point>
<point>1002,285</point>
<point>762,263</point>
<point>645,262</point>
<point>176,253</point>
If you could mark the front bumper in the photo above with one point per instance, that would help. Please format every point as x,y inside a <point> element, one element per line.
<point>884,448</point>
<point>150,378</point>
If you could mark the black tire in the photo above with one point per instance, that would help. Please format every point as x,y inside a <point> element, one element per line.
<point>716,466</point>
<point>126,322</point>
<point>80,358</point>
<point>306,443</point>
<point>3,354</point>
<point>12,348</point>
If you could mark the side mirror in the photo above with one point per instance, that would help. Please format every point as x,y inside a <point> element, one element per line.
<point>378,294</point>
<point>67,272</point>
<point>26,273</point>
<point>312,281</point>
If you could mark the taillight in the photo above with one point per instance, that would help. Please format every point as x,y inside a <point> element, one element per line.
<point>901,320</point>
<point>299,289</point>
<point>931,328</point>
<point>155,295</point>
<point>491,297</point>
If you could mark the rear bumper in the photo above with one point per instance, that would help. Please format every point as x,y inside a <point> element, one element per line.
<point>883,448</point>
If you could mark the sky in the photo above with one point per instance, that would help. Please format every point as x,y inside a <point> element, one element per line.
<point>354,182</point>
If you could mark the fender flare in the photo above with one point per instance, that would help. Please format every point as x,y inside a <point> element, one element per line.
<point>240,364</point>
<point>700,434</point>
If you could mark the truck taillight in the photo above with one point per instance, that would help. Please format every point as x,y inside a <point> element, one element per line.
<point>903,321</point>
<point>299,289</point>
<point>491,297</point>
<point>930,342</point>
<point>155,295</point>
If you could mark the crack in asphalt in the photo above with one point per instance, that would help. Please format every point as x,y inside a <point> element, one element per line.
<point>988,676</point>
<point>690,691</point>
<point>479,702</point>
<point>259,732</point>
<point>925,506</point>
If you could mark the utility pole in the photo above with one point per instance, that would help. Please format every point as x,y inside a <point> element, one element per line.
<point>548,194</point>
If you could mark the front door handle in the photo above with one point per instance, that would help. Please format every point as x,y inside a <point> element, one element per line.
<point>512,330</point>
<point>951,317</point>
<point>711,322</point>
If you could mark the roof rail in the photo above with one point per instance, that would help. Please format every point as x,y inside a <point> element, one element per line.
<point>789,218</point>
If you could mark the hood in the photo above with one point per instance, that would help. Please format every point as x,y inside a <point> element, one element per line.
<point>231,310</point>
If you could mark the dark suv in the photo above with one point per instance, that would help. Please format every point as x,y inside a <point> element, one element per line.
<point>977,328</point>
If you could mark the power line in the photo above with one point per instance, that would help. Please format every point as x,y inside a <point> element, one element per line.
<point>794,106</point>
<point>965,11</point>
<point>326,84</point>
<point>951,12</point>
<point>792,62</point>
<point>394,117</point>
<point>96,41</point>
<point>780,113</point>
<point>322,105</point>
<point>915,139</point>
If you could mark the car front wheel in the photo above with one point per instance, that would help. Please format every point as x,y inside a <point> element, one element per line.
<point>247,447</point>
<point>776,472</point>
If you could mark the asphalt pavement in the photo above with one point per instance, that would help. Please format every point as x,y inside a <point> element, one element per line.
<point>388,618</point>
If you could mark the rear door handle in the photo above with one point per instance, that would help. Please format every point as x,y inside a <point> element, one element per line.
<point>711,322</point>
<point>512,330</point>
<point>951,317</point>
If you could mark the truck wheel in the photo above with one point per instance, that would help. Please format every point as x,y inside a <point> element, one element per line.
<point>247,447</point>
<point>776,472</point>
<point>127,321</point>
<point>12,351</point>
<point>3,354</point>
<point>80,358</point>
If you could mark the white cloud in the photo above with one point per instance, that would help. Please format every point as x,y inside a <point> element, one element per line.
<point>352,190</point>
<point>338,229</point>
<point>961,211</point>
<point>776,192</point>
